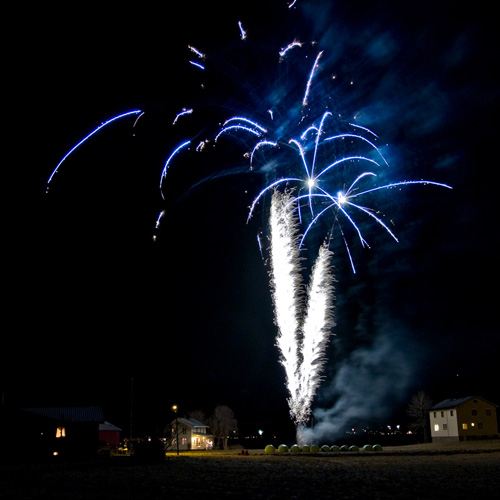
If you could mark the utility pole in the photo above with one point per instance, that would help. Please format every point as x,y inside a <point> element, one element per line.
<point>131,406</point>
<point>174,408</point>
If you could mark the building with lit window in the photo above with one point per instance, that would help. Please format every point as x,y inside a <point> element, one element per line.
<point>40,433</point>
<point>192,434</point>
<point>463,419</point>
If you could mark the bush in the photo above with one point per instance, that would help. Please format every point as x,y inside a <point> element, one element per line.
<point>368,447</point>
<point>344,447</point>
<point>377,447</point>
<point>353,448</point>
<point>306,449</point>
<point>295,449</point>
<point>325,448</point>
<point>335,448</point>
<point>282,448</point>
<point>269,449</point>
<point>314,448</point>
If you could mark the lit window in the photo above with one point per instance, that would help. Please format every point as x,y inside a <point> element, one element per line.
<point>60,432</point>
<point>464,427</point>
<point>436,427</point>
<point>473,424</point>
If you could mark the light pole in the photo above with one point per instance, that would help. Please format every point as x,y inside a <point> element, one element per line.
<point>174,409</point>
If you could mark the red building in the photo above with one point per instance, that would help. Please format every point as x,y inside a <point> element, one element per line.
<point>109,435</point>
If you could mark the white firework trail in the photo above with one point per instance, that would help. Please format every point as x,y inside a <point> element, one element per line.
<point>286,284</point>
<point>316,330</point>
<point>304,322</point>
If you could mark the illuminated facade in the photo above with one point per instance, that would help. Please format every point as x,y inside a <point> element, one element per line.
<point>463,419</point>
<point>192,434</point>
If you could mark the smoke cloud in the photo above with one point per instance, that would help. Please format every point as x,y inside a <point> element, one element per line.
<point>366,387</point>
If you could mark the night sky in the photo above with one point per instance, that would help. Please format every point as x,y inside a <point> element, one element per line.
<point>93,301</point>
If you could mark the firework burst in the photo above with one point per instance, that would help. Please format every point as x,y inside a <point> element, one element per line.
<point>319,170</point>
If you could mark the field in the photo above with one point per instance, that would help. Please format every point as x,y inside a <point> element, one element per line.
<point>431,471</point>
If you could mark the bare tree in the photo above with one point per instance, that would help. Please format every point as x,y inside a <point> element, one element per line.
<point>222,423</point>
<point>198,415</point>
<point>418,412</point>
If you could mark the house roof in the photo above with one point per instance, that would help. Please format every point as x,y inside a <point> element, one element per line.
<point>85,414</point>
<point>106,426</point>
<point>453,403</point>
<point>192,422</point>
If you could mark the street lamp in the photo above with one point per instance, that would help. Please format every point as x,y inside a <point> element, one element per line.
<point>174,409</point>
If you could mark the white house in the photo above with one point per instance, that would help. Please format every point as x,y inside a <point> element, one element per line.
<point>192,434</point>
<point>463,419</point>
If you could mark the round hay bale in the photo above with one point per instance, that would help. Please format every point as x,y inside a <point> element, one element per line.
<point>269,449</point>
<point>282,448</point>
<point>335,448</point>
<point>368,447</point>
<point>306,449</point>
<point>344,447</point>
<point>295,449</point>
<point>353,448</point>
<point>377,447</point>
<point>325,448</point>
<point>314,448</point>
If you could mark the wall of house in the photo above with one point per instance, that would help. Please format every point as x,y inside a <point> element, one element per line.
<point>444,425</point>
<point>477,419</point>
<point>110,438</point>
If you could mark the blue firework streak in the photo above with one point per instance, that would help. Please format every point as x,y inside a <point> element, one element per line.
<point>88,136</point>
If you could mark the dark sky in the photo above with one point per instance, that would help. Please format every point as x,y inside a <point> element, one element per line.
<point>92,301</point>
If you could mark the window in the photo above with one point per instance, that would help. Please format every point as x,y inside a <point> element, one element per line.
<point>488,413</point>
<point>60,432</point>
<point>442,414</point>
<point>445,427</point>
<point>464,427</point>
<point>184,441</point>
<point>434,414</point>
<point>436,427</point>
<point>474,412</point>
<point>451,413</point>
<point>480,426</point>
